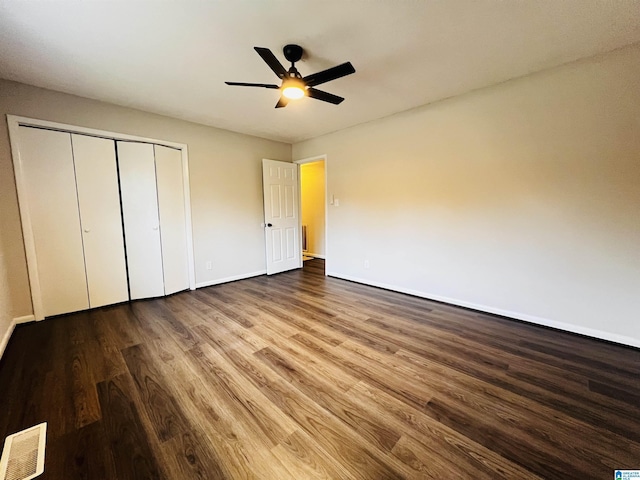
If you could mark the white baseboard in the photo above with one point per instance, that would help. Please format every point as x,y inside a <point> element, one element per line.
<point>7,335</point>
<point>567,327</point>
<point>230,279</point>
<point>24,319</point>
<point>314,255</point>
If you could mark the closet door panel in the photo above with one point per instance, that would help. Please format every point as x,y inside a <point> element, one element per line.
<point>173,224</point>
<point>140,216</point>
<point>46,162</point>
<point>101,220</point>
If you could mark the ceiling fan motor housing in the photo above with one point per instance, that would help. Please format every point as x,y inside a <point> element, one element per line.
<point>292,53</point>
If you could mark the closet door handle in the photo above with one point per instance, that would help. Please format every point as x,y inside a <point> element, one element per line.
<point>155,228</point>
<point>86,230</point>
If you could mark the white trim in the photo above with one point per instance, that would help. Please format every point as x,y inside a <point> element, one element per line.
<point>316,158</point>
<point>7,335</point>
<point>12,326</point>
<point>231,279</point>
<point>300,251</point>
<point>187,211</point>
<point>65,127</point>
<point>326,213</point>
<point>14,122</point>
<point>568,327</point>
<point>314,255</point>
<point>24,319</point>
<point>27,232</point>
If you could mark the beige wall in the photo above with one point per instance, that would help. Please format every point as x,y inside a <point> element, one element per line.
<point>521,199</point>
<point>5,301</point>
<point>225,177</point>
<point>313,205</point>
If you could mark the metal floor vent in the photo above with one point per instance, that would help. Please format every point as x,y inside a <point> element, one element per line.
<point>23,454</point>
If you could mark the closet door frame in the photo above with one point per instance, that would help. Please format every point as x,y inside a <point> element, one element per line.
<point>14,123</point>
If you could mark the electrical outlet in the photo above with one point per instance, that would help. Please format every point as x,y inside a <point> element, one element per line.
<point>209,265</point>
<point>366,264</point>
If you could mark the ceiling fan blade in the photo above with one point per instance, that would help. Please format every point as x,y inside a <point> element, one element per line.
<point>263,85</point>
<point>329,74</point>
<point>283,102</point>
<point>324,96</point>
<point>271,60</point>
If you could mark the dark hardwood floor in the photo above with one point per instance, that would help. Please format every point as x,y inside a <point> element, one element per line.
<point>299,376</point>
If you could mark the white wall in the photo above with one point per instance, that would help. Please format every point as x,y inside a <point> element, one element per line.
<point>313,205</point>
<point>225,176</point>
<point>521,199</point>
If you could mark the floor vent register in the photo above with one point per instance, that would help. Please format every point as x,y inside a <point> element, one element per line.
<point>23,454</point>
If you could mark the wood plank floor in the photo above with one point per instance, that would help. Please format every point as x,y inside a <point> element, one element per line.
<point>299,376</point>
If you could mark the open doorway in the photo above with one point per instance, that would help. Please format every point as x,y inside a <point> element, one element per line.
<point>313,210</point>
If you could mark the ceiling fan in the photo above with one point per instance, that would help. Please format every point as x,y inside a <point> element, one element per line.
<point>294,85</point>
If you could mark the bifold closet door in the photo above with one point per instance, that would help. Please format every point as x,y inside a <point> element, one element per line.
<point>46,163</point>
<point>101,220</point>
<point>173,223</point>
<point>140,217</point>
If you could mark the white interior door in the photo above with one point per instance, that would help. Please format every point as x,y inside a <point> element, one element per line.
<point>282,237</point>
<point>141,222</point>
<point>101,220</point>
<point>173,220</point>
<point>46,163</point>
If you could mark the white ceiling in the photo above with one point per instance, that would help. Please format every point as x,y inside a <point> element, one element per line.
<point>172,57</point>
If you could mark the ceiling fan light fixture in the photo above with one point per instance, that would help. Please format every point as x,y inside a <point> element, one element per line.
<point>293,88</point>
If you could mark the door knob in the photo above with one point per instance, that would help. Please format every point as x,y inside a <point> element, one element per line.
<point>155,228</point>
<point>87,230</point>
<point>269,225</point>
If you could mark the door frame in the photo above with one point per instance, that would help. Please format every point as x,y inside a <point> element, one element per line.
<point>14,122</point>
<point>315,158</point>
